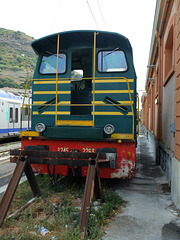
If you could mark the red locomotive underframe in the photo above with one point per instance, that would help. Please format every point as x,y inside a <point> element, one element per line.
<point>125,152</point>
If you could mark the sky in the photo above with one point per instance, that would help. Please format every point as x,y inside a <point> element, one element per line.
<point>131,18</point>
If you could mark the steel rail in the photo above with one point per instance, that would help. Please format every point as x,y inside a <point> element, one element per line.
<point>9,150</point>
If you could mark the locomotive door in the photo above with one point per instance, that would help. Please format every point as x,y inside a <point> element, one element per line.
<point>81,82</point>
<point>13,121</point>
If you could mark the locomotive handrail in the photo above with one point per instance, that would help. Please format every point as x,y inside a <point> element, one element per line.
<point>94,71</point>
<point>57,77</point>
<point>24,104</point>
<point>138,114</point>
<point>95,80</point>
<point>69,104</point>
<point>131,105</point>
<point>78,104</point>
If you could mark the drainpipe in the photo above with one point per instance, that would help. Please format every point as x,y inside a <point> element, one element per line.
<point>160,85</point>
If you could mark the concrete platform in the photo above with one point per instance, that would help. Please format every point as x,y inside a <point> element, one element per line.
<point>149,213</point>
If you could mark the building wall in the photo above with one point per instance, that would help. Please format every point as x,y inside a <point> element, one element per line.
<point>161,107</point>
<point>168,112</point>
<point>169,79</point>
<point>175,184</point>
<point>177,117</point>
<point>144,110</point>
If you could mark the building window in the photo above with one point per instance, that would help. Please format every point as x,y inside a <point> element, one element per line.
<point>169,51</point>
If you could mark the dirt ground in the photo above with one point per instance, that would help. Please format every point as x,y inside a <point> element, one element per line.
<point>149,213</point>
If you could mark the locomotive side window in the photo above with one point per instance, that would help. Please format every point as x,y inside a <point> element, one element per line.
<point>112,61</point>
<point>48,64</point>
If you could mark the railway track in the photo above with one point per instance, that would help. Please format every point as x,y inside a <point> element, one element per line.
<point>4,147</point>
<point>6,168</point>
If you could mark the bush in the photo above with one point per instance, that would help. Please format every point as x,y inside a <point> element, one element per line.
<point>8,82</point>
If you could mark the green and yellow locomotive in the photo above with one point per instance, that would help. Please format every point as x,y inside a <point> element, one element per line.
<point>84,100</point>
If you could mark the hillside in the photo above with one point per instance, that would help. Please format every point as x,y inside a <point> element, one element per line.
<point>17,59</point>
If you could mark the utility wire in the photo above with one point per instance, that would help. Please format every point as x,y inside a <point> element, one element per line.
<point>56,15</point>
<point>92,14</point>
<point>102,15</point>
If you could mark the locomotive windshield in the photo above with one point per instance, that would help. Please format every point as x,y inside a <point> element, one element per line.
<point>112,61</point>
<point>48,64</point>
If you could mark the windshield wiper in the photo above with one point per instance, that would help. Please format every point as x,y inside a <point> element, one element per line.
<point>114,50</point>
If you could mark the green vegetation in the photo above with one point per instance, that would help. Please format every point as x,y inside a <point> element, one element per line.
<point>7,82</point>
<point>58,210</point>
<point>17,58</point>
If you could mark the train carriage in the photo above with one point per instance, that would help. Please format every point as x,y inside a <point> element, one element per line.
<point>11,120</point>
<point>84,100</point>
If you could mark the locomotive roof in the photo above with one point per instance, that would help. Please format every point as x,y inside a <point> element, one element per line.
<point>73,39</point>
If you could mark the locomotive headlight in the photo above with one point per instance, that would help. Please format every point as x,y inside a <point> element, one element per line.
<point>40,127</point>
<point>109,129</point>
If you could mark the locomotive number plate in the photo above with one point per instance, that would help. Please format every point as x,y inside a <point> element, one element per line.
<point>88,150</point>
<point>84,150</point>
<point>63,149</point>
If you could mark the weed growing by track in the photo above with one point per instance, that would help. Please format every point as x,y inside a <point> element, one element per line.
<point>58,210</point>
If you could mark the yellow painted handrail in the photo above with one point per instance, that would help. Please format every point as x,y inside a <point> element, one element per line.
<point>78,104</point>
<point>131,105</point>
<point>94,71</point>
<point>94,79</point>
<point>57,77</point>
<point>138,113</point>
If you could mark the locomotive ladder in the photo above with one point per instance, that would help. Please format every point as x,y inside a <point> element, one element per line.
<point>24,159</point>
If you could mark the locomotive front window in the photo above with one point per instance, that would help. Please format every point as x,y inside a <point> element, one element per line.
<point>112,61</point>
<point>48,64</point>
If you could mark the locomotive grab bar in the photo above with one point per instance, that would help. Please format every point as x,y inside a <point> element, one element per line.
<point>93,103</point>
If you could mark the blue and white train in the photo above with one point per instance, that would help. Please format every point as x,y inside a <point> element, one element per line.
<point>10,115</point>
